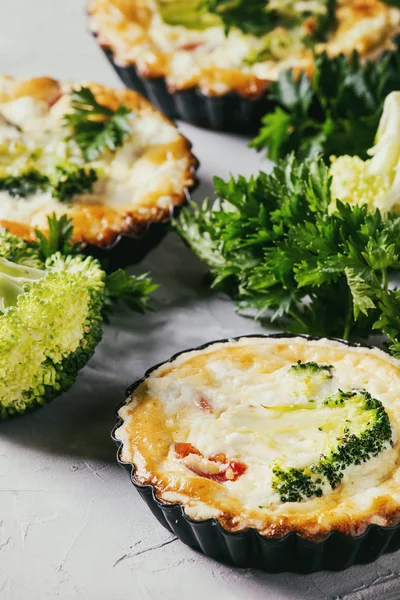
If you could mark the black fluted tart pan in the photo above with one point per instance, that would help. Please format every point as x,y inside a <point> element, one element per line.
<point>133,248</point>
<point>248,548</point>
<point>230,112</point>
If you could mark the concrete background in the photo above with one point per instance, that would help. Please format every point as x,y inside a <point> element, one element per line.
<point>71,524</point>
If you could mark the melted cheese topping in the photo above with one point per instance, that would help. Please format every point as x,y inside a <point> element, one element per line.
<point>135,32</point>
<point>241,400</point>
<point>139,182</point>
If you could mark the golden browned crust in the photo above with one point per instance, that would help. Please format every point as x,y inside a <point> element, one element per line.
<point>121,25</point>
<point>147,434</point>
<point>102,225</point>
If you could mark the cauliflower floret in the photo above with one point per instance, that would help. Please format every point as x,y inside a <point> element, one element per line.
<point>376,181</point>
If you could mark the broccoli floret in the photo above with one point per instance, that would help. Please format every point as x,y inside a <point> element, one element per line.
<point>356,447</point>
<point>51,317</point>
<point>19,251</point>
<point>72,180</point>
<point>24,184</point>
<point>363,436</point>
<point>67,180</point>
<point>311,368</point>
<point>376,181</point>
<point>49,332</point>
<point>293,485</point>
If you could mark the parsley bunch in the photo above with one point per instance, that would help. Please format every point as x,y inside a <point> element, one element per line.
<point>95,127</point>
<point>272,245</point>
<point>335,111</point>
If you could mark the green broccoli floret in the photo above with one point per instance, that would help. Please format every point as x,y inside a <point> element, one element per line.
<point>24,184</point>
<point>293,485</point>
<point>365,433</point>
<point>67,180</point>
<point>311,368</point>
<point>51,317</point>
<point>18,251</point>
<point>72,180</point>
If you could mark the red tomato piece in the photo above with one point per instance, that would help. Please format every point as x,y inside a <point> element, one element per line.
<point>183,449</point>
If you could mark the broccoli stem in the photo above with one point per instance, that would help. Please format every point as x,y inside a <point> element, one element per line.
<point>13,279</point>
<point>349,317</point>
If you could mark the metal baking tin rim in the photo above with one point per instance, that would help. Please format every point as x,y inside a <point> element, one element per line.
<point>213,522</point>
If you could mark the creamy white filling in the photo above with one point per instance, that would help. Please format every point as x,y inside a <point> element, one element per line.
<point>126,177</point>
<point>191,52</point>
<point>245,426</point>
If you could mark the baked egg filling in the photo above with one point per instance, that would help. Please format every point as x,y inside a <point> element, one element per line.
<point>189,46</point>
<point>136,168</point>
<point>279,435</point>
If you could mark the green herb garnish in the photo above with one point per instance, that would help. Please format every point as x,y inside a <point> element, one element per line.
<point>271,245</point>
<point>57,239</point>
<point>95,127</point>
<point>336,110</point>
<point>255,17</point>
<point>250,17</point>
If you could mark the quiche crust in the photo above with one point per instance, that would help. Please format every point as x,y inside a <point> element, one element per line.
<point>152,424</point>
<point>135,35</point>
<point>96,222</point>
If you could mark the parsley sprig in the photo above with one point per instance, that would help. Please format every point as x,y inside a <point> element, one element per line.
<point>271,244</point>
<point>58,238</point>
<point>336,110</point>
<point>132,291</point>
<point>96,127</point>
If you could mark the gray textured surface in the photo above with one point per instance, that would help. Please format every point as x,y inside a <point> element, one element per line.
<point>71,524</point>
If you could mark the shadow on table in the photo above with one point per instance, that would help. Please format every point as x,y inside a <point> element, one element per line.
<point>79,422</point>
<point>373,581</point>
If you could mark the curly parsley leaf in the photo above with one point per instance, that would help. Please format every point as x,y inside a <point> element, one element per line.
<point>95,127</point>
<point>58,237</point>
<point>131,290</point>
<point>271,244</point>
<point>338,109</point>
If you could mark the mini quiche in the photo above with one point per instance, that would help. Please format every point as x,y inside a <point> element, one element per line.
<point>104,157</point>
<point>276,435</point>
<point>211,61</point>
